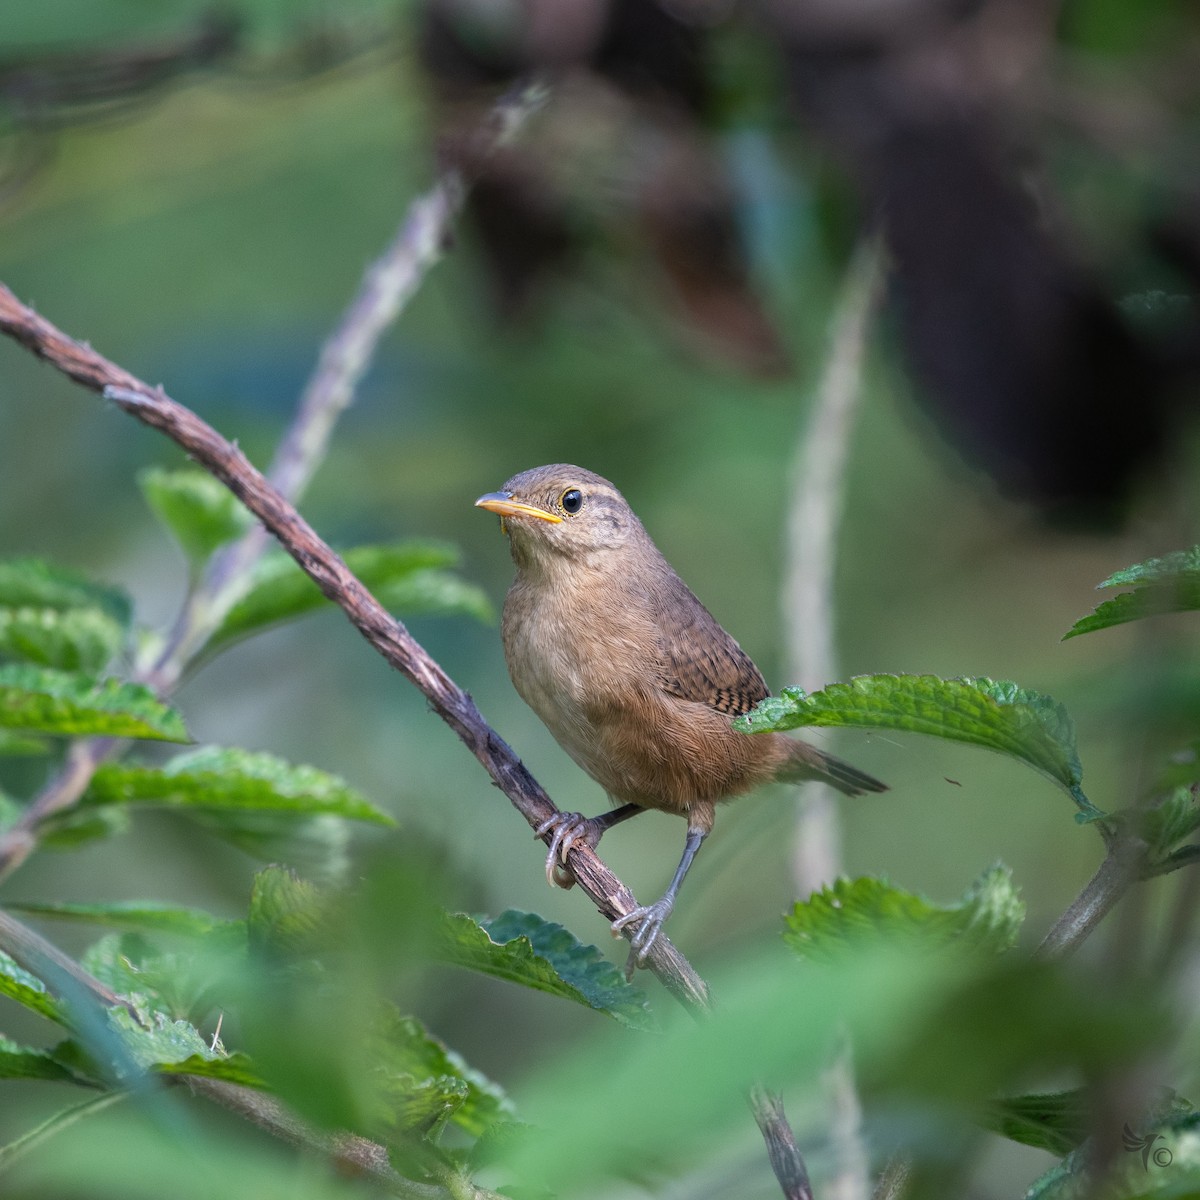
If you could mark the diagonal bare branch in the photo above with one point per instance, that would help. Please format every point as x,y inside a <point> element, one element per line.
<point>389,637</point>
<point>345,356</point>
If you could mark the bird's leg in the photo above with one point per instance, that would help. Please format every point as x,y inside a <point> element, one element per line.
<point>569,829</point>
<point>650,917</point>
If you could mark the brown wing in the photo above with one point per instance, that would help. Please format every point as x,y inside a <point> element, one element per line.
<point>699,661</point>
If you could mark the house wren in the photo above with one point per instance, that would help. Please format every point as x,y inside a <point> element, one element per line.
<point>632,675</point>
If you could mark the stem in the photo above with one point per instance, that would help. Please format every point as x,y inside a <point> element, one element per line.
<point>814,517</point>
<point>356,1155</point>
<point>786,1159</point>
<point>1121,866</point>
<point>21,1146</point>
<point>58,971</point>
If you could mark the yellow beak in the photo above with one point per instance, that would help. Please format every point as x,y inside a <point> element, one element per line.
<point>506,506</point>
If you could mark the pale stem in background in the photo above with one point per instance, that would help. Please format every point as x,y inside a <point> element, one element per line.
<point>814,517</point>
<point>387,286</point>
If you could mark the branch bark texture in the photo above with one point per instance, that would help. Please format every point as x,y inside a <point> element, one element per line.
<point>153,407</point>
<point>786,1159</point>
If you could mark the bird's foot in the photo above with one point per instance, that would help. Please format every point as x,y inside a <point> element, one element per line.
<point>649,919</point>
<point>567,830</point>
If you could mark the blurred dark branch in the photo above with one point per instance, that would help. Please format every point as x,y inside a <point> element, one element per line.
<point>354,1156</point>
<point>387,635</point>
<point>29,950</point>
<point>786,1159</point>
<point>387,286</point>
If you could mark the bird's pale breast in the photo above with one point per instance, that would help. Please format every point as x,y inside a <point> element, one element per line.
<point>589,671</point>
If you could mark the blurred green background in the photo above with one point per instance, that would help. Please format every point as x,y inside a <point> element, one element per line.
<point>209,237</point>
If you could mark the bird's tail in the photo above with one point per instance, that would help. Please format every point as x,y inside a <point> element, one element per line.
<point>806,762</point>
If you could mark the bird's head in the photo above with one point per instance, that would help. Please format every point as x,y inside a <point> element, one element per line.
<point>560,512</point>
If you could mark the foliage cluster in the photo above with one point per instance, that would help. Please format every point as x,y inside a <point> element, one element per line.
<point>949,1019</point>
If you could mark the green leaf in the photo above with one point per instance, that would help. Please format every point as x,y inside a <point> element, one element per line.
<point>23,745</point>
<point>317,846</point>
<point>154,1040</point>
<point>18,984</point>
<point>1161,585</point>
<point>850,912</point>
<point>76,639</point>
<point>1156,570</point>
<point>64,703</point>
<point>996,715</point>
<point>23,1062</point>
<point>423,1083</point>
<point>138,916</point>
<point>76,826</point>
<point>212,778</point>
<point>176,983</point>
<point>196,509</point>
<point>1167,823</point>
<point>32,583</point>
<point>270,808</point>
<point>1183,595</point>
<point>280,591</point>
<point>232,1068</point>
<point>1053,1121</point>
<point>523,948</point>
<point>287,914</point>
<point>435,593</point>
<point>70,828</point>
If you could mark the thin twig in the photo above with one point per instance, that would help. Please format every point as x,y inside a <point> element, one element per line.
<point>16,1150</point>
<point>386,288</point>
<point>28,949</point>
<point>355,1155</point>
<point>387,635</point>
<point>786,1159</point>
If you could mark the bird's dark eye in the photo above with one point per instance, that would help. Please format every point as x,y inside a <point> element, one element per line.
<point>571,501</point>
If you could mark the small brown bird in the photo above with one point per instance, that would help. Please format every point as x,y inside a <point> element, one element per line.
<point>631,673</point>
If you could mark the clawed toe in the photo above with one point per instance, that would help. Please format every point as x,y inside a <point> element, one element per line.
<point>649,919</point>
<point>566,830</point>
